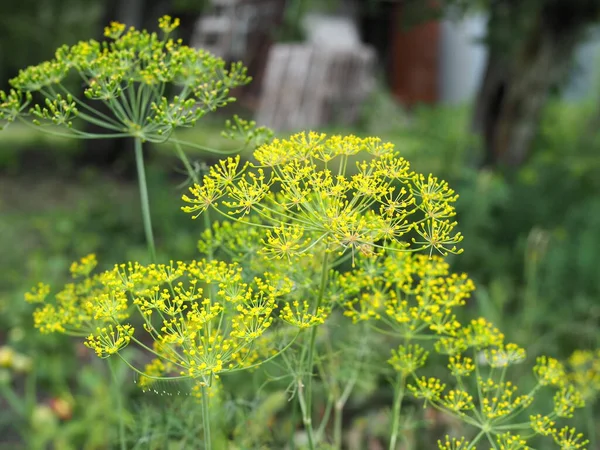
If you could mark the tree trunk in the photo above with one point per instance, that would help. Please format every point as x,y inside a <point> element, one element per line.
<point>517,84</point>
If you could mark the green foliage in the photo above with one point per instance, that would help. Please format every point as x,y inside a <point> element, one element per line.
<point>29,32</point>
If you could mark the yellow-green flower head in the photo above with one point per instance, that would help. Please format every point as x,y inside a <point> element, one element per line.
<point>167,24</point>
<point>543,425</point>
<point>350,193</point>
<point>153,371</point>
<point>550,371</point>
<point>460,366</point>
<point>107,341</point>
<point>84,267</point>
<point>505,356</point>
<point>408,359</point>
<point>300,315</point>
<point>570,439</point>
<point>455,444</point>
<point>451,346</point>
<point>481,334</point>
<point>13,104</point>
<point>114,30</point>
<point>499,398</point>
<point>38,293</point>
<point>408,291</point>
<point>205,317</point>
<point>566,400</point>
<point>458,401</point>
<point>129,75</point>
<point>509,441</point>
<point>584,372</point>
<point>429,389</point>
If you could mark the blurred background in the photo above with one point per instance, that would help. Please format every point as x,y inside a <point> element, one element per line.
<point>499,97</point>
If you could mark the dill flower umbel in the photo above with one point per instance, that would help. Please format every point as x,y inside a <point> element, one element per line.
<point>204,317</point>
<point>349,193</point>
<point>129,74</point>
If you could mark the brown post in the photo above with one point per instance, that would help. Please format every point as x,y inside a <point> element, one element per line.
<point>414,60</point>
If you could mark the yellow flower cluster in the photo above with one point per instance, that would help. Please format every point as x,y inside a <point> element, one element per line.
<point>14,360</point>
<point>38,293</point>
<point>455,444</point>
<point>109,340</point>
<point>428,389</point>
<point>584,372</point>
<point>129,74</point>
<point>204,317</point>
<point>347,192</point>
<point>508,441</point>
<point>416,297</point>
<point>409,292</point>
<point>408,359</point>
<point>458,401</point>
<point>299,314</point>
<point>569,438</point>
<point>498,399</point>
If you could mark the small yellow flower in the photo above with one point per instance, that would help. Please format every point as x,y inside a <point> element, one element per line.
<point>508,441</point>
<point>505,356</point>
<point>455,444</point>
<point>284,241</point>
<point>408,359</point>
<point>109,340</point>
<point>167,24</point>
<point>549,371</point>
<point>428,389</point>
<point>461,366</point>
<point>299,315</point>
<point>84,266</point>
<point>566,400</point>
<point>38,293</point>
<point>543,425</point>
<point>114,30</point>
<point>458,401</point>
<point>569,439</point>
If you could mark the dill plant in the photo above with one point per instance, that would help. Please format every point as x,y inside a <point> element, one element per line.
<point>136,84</point>
<point>314,232</point>
<point>319,230</point>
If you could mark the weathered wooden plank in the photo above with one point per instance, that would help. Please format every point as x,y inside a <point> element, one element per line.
<point>273,79</point>
<point>307,86</point>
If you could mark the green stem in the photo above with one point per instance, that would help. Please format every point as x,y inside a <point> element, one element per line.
<point>206,418</point>
<point>325,419</point>
<point>13,400</point>
<point>306,416</point>
<point>397,407</point>
<point>491,440</point>
<point>207,225</point>
<point>117,395</point>
<point>139,161</point>
<point>186,162</point>
<point>476,440</point>
<point>313,331</point>
<point>591,425</point>
<point>194,177</point>
<point>341,403</point>
<point>337,425</point>
<point>292,440</point>
<point>305,393</point>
